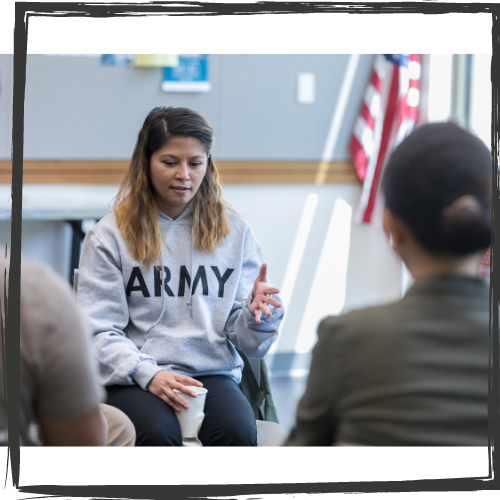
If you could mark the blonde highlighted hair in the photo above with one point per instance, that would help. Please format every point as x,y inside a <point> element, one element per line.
<point>135,207</point>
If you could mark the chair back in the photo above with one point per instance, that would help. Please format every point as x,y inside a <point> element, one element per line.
<point>270,434</point>
<point>75,281</point>
<point>255,366</point>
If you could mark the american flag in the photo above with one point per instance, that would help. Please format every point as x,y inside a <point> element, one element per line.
<point>388,114</point>
<point>484,264</point>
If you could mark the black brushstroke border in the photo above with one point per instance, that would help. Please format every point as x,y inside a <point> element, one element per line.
<point>23,11</point>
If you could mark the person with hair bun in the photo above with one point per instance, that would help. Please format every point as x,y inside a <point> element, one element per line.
<point>415,372</point>
<point>173,283</point>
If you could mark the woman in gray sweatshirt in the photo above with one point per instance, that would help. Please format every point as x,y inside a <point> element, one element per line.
<point>172,280</point>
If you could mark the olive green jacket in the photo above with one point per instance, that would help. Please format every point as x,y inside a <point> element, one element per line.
<point>410,373</point>
<point>259,397</point>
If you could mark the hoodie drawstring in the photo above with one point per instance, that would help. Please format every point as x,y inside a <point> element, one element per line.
<point>189,304</point>
<point>163,294</point>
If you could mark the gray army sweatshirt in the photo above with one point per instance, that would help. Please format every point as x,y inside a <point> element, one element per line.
<point>188,318</point>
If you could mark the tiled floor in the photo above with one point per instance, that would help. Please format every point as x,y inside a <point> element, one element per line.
<point>287,390</point>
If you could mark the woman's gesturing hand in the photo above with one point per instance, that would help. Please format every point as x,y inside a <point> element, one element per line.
<point>164,383</point>
<point>261,295</point>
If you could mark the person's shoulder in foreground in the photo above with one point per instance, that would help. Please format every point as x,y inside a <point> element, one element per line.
<point>58,373</point>
<point>343,343</point>
<point>370,367</point>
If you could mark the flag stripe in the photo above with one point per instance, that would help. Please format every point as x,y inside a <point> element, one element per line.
<point>368,116</point>
<point>376,81</point>
<point>359,157</point>
<point>372,101</point>
<point>386,131</point>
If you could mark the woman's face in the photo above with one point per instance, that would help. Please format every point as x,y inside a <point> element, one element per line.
<point>176,171</point>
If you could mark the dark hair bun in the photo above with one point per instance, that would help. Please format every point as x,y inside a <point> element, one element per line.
<point>465,226</point>
<point>439,182</point>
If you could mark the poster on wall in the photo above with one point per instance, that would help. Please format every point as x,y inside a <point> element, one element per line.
<point>117,59</point>
<point>190,75</point>
<point>140,60</point>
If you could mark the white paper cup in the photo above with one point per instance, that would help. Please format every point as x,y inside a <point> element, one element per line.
<point>190,419</point>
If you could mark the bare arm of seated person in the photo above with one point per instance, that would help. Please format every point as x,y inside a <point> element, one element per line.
<point>83,430</point>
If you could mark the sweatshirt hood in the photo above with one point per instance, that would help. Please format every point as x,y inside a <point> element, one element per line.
<point>185,218</point>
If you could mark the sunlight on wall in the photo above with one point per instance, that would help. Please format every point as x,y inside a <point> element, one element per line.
<point>440,73</point>
<point>481,97</point>
<point>329,285</point>
<point>295,260</point>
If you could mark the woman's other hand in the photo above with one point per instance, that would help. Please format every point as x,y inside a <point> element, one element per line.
<point>164,383</point>
<point>262,295</point>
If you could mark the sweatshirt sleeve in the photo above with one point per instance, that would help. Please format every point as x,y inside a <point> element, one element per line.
<point>101,294</point>
<point>252,338</point>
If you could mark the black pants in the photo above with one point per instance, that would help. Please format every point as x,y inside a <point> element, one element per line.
<point>229,418</point>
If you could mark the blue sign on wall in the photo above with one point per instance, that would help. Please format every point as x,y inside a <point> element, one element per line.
<point>191,75</point>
